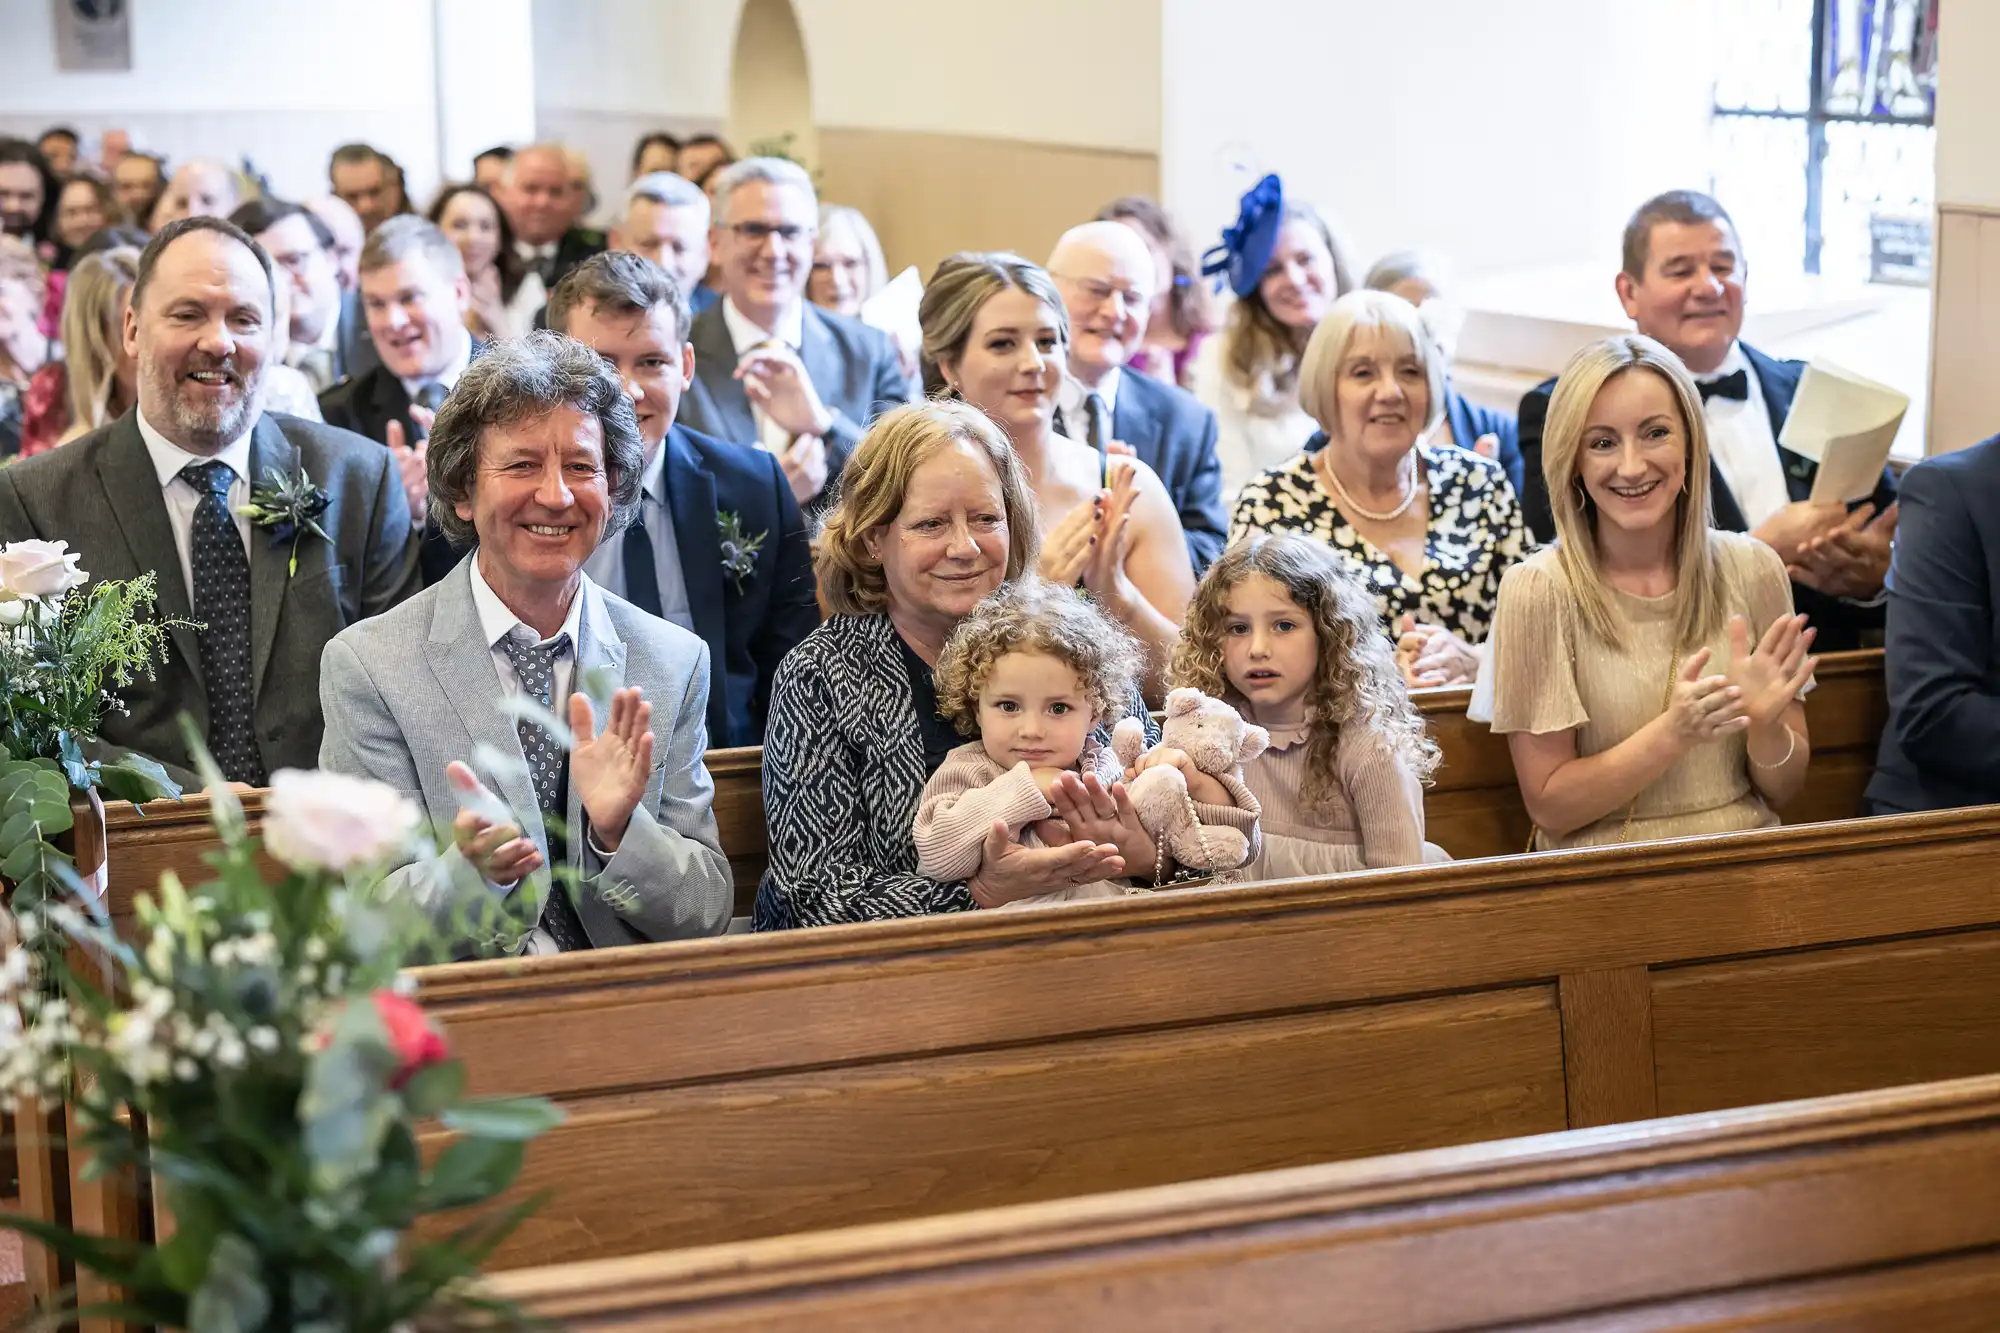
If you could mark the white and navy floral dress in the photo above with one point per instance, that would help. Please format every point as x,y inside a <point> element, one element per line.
<point>1475,534</point>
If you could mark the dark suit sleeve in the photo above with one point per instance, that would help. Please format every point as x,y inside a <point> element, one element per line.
<point>1939,647</point>
<point>1202,516</point>
<point>389,570</point>
<point>15,525</point>
<point>888,387</point>
<point>1532,489</point>
<point>793,611</point>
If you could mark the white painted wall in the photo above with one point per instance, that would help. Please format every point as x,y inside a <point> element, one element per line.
<point>1506,136</point>
<point>1968,103</point>
<point>283,83</point>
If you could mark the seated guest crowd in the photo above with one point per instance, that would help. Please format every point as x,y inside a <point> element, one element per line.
<point>666,488</point>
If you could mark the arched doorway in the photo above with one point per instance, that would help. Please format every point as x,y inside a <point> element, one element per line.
<point>770,87</point>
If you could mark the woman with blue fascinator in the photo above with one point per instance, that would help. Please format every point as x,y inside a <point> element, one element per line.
<point>1282,262</point>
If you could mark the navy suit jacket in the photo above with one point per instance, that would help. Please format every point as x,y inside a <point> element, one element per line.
<point>748,625</point>
<point>1173,434</point>
<point>1841,624</point>
<point>354,346</point>
<point>1941,748</point>
<point>366,404</point>
<point>854,369</point>
<point>1469,421</point>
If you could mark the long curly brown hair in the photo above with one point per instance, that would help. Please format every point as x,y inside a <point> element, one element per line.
<point>1355,682</point>
<point>1032,615</point>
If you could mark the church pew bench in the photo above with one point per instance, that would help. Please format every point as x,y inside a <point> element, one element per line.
<point>752,1086</point>
<point>1875,1211</point>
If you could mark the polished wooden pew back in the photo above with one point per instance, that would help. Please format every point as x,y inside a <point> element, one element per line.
<point>1872,1212</point>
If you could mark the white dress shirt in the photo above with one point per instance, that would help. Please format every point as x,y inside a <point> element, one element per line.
<point>745,334</point>
<point>1070,398</point>
<point>1742,445</point>
<point>182,499</point>
<point>460,359</point>
<point>496,622</point>
<point>606,566</point>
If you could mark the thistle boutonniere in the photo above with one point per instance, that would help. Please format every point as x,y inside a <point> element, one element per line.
<point>288,505</point>
<point>739,552</point>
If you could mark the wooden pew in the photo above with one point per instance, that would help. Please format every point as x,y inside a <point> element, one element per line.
<point>1872,1212</point>
<point>1474,809</point>
<point>753,1086</point>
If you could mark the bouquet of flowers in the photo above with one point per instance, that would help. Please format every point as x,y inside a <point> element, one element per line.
<point>63,655</point>
<point>264,1038</point>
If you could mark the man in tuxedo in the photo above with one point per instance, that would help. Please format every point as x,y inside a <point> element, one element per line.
<point>328,339</point>
<point>1105,275</point>
<point>536,459</point>
<point>362,178</point>
<point>161,490</point>
<point>542,204</point>
<point>666,221</point>
<point>751,609</point>
<point>414,293</point>
<point>1941,748</point>
<point>1682,284</point>
<point>770,367</point>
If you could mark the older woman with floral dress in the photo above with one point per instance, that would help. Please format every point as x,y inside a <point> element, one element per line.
<point>1427,529</point>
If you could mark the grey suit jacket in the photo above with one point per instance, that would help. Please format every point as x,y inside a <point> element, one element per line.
<point>854,370</point>
<point>407,693</point>
<point>101,495</point>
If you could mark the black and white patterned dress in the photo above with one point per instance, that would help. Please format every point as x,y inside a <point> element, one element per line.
<point>1475,534</point>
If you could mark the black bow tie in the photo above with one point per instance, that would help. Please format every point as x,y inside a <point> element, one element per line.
<point>1735,385</point>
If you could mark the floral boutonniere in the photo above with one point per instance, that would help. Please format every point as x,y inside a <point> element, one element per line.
<point>288,505</point>
<point>739,553</point>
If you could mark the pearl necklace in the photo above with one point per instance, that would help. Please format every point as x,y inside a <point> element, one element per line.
<point>1347,501</point>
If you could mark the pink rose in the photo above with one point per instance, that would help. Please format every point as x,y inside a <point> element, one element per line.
<point>330,821</point>
<point>39,569</point>
<point>416,1043</point>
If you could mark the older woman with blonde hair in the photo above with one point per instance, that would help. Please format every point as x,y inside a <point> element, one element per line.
<point>1286,268</point>
<point>934,513</point>
<point>1647,668</point>
<point>1427,530</point>
<point>848,267</point>
<point>996,336</point>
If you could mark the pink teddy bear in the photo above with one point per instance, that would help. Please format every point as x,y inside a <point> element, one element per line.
<point>1220,742</point>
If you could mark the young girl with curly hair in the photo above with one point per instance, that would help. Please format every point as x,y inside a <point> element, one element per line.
<point>1035,672</point>
<point>1297,646</point>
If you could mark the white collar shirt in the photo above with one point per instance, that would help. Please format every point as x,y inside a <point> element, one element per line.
<point>182,498</point>
<point>1741,442</point>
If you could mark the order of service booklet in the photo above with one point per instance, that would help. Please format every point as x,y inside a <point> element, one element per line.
<point>1846,423</point>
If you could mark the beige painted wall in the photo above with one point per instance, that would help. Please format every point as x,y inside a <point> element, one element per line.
<point>1965,279</point>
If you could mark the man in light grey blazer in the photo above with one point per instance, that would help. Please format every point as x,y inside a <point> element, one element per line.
<point>771,369</point>
<point>161,489</point>
<point>461,697</point>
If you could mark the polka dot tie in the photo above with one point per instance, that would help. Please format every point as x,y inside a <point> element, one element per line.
<point>535,664</point>
<point>222,605</point>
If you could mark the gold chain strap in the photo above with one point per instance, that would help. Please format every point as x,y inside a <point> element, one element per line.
<point>1632,810</point>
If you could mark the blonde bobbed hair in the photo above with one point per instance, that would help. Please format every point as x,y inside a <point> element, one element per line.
<point>93,332</point>
<point>1698,584</point>
<point>876,480</point>
<point>1319,368</point>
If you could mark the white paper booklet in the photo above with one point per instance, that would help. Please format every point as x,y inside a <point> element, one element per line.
<point>1845,422</point>
<point>894,309</point>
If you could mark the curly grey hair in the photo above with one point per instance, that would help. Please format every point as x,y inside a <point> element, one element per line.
<point>522,379</point>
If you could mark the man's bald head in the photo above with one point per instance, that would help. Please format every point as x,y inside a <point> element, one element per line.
<point>538,195</point>
<point>1105,274</point>
<point>202,188</point>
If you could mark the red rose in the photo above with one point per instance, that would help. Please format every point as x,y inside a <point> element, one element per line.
<point>411,1036</point>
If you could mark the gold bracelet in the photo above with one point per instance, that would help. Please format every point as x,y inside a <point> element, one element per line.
<point>1791,748</point>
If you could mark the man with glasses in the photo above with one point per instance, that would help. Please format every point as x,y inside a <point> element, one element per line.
<point>1105,275</point>
<point>770,368</point>
<point>329,339</point>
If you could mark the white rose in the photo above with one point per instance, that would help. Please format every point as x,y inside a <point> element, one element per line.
<point>39,569</point>
<point>12,610</point>
<point>328,821</point>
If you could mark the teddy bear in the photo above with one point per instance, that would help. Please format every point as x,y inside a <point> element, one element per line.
<point>1219,741</point>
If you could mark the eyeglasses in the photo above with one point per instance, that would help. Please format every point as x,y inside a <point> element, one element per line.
<point>791,233</point>
<point>1100,291</point>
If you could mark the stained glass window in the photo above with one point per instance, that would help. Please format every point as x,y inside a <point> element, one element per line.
<point>1824,149</point>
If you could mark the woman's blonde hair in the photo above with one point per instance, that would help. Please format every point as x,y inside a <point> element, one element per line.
<point>876,480</point>
<point>1033,615</point>
<point>960,288</point>
<point>1698,579</point>
<point>1355,681</point>
<point>1261,355</point>
<point>1319,368</point>
<point>834,216</point>
<point>93,332</point>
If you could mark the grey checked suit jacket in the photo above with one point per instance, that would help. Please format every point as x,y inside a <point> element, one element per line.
<point>101,495</point>
<point>407,693</point>
<point>854,370</point>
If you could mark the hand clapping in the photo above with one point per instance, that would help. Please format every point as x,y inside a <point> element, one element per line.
<point>611,769</point>
<point>1769,678</point>
<point>1704,708</point>
<point>1850,559</point>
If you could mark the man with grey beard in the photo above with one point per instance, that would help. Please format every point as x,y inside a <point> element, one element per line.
<point>162,490</point>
